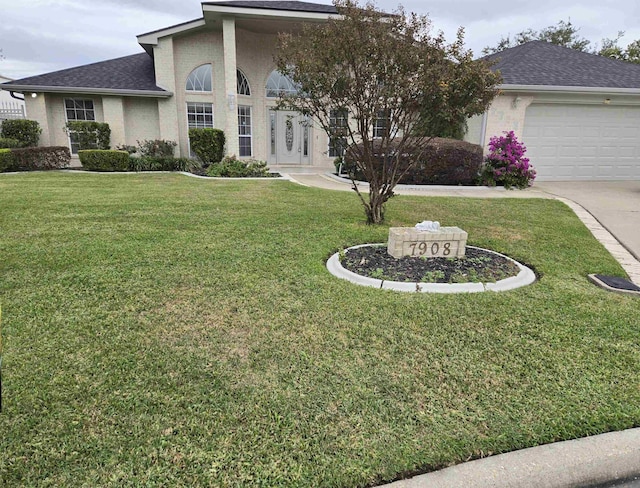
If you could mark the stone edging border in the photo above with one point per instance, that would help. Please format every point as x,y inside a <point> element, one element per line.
<point>525,277</point>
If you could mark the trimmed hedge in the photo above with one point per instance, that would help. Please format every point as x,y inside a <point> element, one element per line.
<point>24,130</point>
<point>8,143</point>
<point>6,160</point>
<point>150,163</point>
<point>444,162</point>
<point>35,158</point>
<point>104,160</point>
<point>207,144</point>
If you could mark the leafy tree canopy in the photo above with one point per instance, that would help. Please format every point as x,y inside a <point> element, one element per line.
<point>568,35</point>
<point>378,74</point>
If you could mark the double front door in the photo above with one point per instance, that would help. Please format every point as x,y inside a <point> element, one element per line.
<point>289,138</point>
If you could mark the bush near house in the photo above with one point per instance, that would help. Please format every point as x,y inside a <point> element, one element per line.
<point>506,164</point>
<point>231,167</point>
<point>157,148</point>
<point>6,160</point>
<point>207,144</point>
<point>442,162</point>
<point>34,158</point>
<point>6,142</point>
<point>104,160</point>
<point>24,130</point>
<point>153,163</point>
<point>89,135</point>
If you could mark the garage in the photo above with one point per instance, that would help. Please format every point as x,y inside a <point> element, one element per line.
<point>583,142</point>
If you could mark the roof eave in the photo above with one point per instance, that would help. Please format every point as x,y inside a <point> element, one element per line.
<point>570,89</point>
<point>266,12</point>
<point>151,38</point>
<point>92,91</point>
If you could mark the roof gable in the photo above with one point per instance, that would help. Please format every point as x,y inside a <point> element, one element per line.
<point>543,63</point>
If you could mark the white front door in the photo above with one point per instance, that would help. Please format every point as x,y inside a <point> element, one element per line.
<point>289,138</point>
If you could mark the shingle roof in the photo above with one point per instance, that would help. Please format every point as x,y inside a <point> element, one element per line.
<point>543,63</point>
<point>278,5</point>
<point>130,73</point>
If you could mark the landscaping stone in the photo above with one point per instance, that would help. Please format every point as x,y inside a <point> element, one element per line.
<point>446,242</point>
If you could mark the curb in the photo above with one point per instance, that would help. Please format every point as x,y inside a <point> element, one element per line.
<point>525,277</point>
<point>585,462</point>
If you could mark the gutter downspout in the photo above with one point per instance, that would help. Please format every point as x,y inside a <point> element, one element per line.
<point>483,129</point>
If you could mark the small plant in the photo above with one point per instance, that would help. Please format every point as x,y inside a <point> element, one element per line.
<point>127,148</point>
<point>433,276</point>
<point>341,255</point>
<point>338,162</point>
<point>506,164</point>
<point>24,130</point>
<point>151,163</point>
<point>377,273</point>
<point>207,144</point>
<point>157,148</point>
<point>232,167</point>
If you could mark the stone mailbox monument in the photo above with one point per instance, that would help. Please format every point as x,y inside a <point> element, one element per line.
<point>427,239</point>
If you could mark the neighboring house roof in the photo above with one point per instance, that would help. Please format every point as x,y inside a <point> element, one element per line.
<point>546,64</point>
<point>132,75</point>
<point>277,5</point>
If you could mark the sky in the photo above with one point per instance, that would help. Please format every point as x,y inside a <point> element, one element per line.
<point>40,36</point>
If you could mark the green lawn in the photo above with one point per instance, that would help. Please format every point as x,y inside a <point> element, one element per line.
<point>164,330</point>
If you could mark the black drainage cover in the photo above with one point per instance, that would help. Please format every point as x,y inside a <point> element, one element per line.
<point>615,283</point>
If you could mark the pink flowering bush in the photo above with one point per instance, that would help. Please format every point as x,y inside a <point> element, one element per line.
<point>506,165</point>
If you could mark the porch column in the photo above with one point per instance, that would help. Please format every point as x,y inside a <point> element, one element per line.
<point>230,107</point>
<point>169,112</point>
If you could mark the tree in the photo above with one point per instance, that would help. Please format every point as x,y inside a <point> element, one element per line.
<point>562,34</point>
<point>566,34</point>
<point>366,78</point>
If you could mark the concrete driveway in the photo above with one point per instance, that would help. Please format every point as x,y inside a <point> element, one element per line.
<point>615,204</point>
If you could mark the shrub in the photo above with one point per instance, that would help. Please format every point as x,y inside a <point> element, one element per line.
<point>104,160</point>
<point>39,158</point>
<point>125,147</point>
<point>149,163</point>
<point>157,148</point>
<point>6,142</point>
<point>24,130</point>
<point>231,167</point>
<point>207,144</point>
<point>506,165</point>
<point>443,162</point>
<point>89,135</point>
<point>6,160</point>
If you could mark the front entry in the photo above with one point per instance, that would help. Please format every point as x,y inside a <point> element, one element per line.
<point>289,138</point>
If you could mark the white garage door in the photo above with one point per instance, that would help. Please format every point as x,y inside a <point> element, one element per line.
<point>583,142</point>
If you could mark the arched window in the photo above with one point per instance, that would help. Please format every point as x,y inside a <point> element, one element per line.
<point>200,79</point>
<point>279,84</point>
<point>242,84</point>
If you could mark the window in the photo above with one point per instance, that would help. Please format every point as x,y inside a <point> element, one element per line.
<point>242,84</point>
<point>381,124</point>
<point>338,122</point>
<point>279,84</point>
<point>244,130</point>
<point>78,109</point>
<point>272,131</point>
<point>200,79</point>
<point>200,115</point>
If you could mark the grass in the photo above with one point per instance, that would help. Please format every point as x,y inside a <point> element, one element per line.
<point>162,330</point>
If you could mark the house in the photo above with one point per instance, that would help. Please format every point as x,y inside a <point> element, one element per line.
<point>215,71</point>
<point>10,107</point>
<point>578,114</point>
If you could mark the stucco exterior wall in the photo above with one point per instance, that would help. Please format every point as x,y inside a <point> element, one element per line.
<point>474,130</point>
<point>141,120</point>
<point>506,113</point>
<point>189,52</point>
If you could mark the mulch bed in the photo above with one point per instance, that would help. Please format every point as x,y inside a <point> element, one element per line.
<point>477,266</point>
